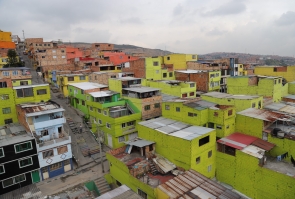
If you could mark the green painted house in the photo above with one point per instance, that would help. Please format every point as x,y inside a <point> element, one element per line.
<point>112,117</point>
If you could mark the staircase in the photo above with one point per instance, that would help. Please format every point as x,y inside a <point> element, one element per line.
<point>130,109</point>
<point>154,170</point>
<point>102,185</point>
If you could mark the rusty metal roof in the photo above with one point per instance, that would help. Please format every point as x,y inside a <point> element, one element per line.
<point>263,144</point>
<point>263,114</point>
<point>192,184</point>
<point>33,109</point>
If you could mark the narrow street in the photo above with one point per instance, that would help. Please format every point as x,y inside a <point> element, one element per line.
<point>85,167</point>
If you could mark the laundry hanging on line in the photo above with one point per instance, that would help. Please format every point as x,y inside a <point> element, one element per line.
<point>283,156</point>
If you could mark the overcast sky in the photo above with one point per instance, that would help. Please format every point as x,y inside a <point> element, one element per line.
<point>188,26</point>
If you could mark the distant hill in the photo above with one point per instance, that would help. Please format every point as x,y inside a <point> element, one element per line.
<point>127,48</point>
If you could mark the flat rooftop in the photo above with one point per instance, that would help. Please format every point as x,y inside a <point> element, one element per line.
<point>166,97</point>
<point>13,133</point>
<point>194,71</point>
<point>71,75</point>
<point>195,103</point>
<point>280,166</point>
<point>16,68</point>
<point>263,114</point>
<point>127,78</point>
<point>229,96</point>
<point>87,85</point>
<point>141,89</point>
<point>175,128</point>
<point>30,86</point>
<point>290,96</point>
<point>172,81</point>
<point>102,93</point>
<point>34,109</point>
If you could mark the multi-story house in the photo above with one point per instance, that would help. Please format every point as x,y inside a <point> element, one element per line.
<point>19,75</point>
<point>179,61</point>
<point>148,100</point>
<point>249,165</point>
<point>19,165</point>
<point>287,72</point>
<point>51,56</point>
<point>6,41</point>
<point>156,69</point>
<point>206,81</point>
<point>271,87</point>
<point>7,104</point>
<point>240,102</point>
<point>174,87</point>
<point>77,94</point>
<point>31,93</point>
<point>201,113</point>
<point>113,118</point>
<point>62,81</point>
<point>45,122</point>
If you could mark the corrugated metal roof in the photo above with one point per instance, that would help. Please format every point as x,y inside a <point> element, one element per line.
<point>87,85</point>
<point>121,192</point>
<point>139,143</point>
<point>263,114</point>
<point>192,184</point>
<point>281,107</point>
<point>176,128</point>
<point>102,93</point>
<point>254,151</point>
<point>141,89</point>
<point>229,96</point>
<point>263,144</point>
<point>164,164</point>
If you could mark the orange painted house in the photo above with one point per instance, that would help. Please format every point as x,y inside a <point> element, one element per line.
<point>7,44</point>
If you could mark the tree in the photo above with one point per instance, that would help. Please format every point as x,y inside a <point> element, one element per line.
<point>12,57</point>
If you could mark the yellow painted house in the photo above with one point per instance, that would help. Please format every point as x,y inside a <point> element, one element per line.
<point>157,70</point>
<point>31,93</point>
<point>174,87</point>
<point>179,60</point>
<point>3,60</point>
<point>287,72</point>
<point>62,81</point>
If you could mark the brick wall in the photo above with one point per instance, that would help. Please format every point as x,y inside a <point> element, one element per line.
<point>102,78</point>
<point>137,67</point>
<point>201,79</point>
<point>102,46</point>
<point>52,56</point>
<point>8,82</point>
<point>61,67</point>
<point>21,115</point>
<point>253,81</point>
<point>153,112</point>
<point>117,151</point>
<point>20,75</point>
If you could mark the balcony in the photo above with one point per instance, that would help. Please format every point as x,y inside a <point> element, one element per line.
<point>62,139</point>
<point>51,122</point>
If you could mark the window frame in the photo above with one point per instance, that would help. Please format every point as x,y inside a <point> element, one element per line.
<point>14,181</point>
<point>121,140</point>
<point>25,165</point>
<point>108,125</point>
<point>42,90</point>
<point>3,168</point>
<point>23,150</point>
<point>147,107</point>
<point>157,105</point>
<point>167,107</point>
<point>177,109</point>
<point>3,154</point>
<point>47,156</point>
<point>6,112</point>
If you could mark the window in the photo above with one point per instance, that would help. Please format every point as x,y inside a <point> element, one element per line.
<point>55,166</point>
<point>204,140</point>
<point>130,123</point>
<point>157,105</point>
<point>177,109</point>
<point>215,114</point>
<point>227,126</point>
<point>82,77</point>
<point>105,112</point>
<point>155,63</point>
<point>210,154</point>
<point>66,162</point>
<point>99,121</point>
<point>47,154</point>
<point>15,72</point>
<point>108,125</point>
<point>171,74</point>
<point>3,85</point>
<point>14,180</point>
<point>23,147</point>
<point>209,168</point>
<point>8,121</point>
<point>217,74</point>
<point>198,160</point>
<point>87,97</point>
<point>2,170</point>
<point>191,94</point>
<point>54,56</point>
<point>168,58</point>
<point>4,97</point>
<point>25,92</point>
<point>211,125</point>
<point>70,79</point>
<point>142,194</point>
<point>192,85</point>
<point>83,102</point>
<point>167,107</point>
<point>194,57</point>
<point>44,132</point>
<point>62,150</point>
<point>147,107</point>
<point>218,127</point>
<point>164,75</point>
<point>23,83</point>
<point>191,114</point>
<point>1,152</point>
<point>121,138</point>
<point>53,51</point>
<point>123,125</point>
<point>5,73</point>
<point>63,57</point>
<point>279,81</point>
<point>62,51</point>
<point>230,112</point>
<point>184,95</point>
<point>6,110</point>
<point>41,92</point>
<point>253,105</point>
<point>25,162</point>
<point>98,110</point>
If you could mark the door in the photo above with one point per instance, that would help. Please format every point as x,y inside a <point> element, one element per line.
<point>35,176</point>
<point>110,140</point>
